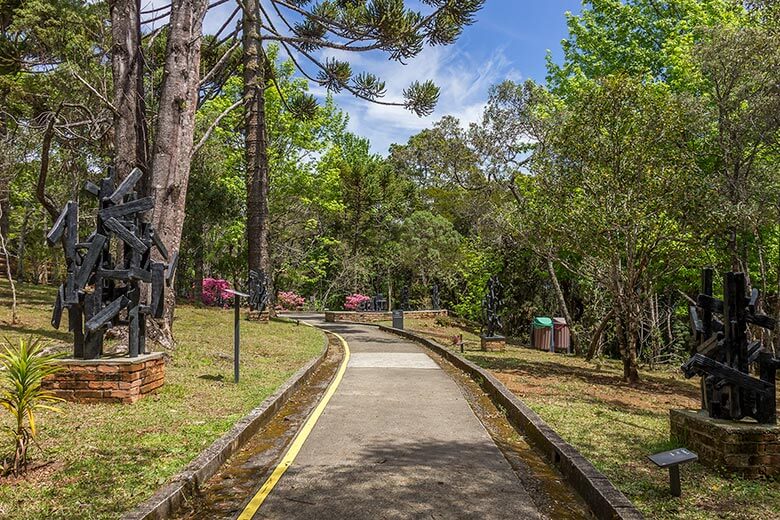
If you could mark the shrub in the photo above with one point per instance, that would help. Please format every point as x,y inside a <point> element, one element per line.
<point>290,301</point>
<point>356,301</point>
<point>214,292</point>
<point>24,368</point>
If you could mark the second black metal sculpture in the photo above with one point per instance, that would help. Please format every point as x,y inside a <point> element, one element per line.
<point>491,306</point>
<point>725,352</point>
<point>98,287</point>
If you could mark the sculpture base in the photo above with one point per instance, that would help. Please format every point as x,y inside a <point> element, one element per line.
<point>493,343</point>
<point>107,380</point>
<point>261,316</point>
<point>744,447</point>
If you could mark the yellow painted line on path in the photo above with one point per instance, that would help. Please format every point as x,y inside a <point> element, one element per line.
<point>298,442</point>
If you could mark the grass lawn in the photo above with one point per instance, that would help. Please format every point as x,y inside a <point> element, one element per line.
<point>98,461</point>
<point>616,426</point>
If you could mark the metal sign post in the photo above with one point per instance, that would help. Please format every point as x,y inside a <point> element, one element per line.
<point>672,460</point>
<point>236,330</point>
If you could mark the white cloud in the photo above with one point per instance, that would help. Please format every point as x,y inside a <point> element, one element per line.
<point>462,77</point>
<point>464,80</point>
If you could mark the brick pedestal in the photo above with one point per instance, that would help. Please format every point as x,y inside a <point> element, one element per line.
<point>109,380</point>
<point>374,317</point>
<point>263,316</point>
<point>747,448</point>
<point>493,343</point>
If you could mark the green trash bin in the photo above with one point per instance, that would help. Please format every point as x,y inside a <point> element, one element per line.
<point>542,334</point>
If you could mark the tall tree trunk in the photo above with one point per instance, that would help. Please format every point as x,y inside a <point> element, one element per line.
<point>628,337</point>
<point>257,178</point>
<point>22,243</point>
<point>575,341</point>
<point>174,132</point>
<point>130,133</point>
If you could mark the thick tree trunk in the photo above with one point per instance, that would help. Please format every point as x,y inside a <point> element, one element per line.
<point>575,341</point>
<point>628,338</point>
<point>257,178</point>
<point>175,130</point>
<point>130,133</point>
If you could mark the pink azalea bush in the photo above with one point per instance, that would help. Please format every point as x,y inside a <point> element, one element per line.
<point>290,301</point>
<point>213,288</point>
<point>354,301</point>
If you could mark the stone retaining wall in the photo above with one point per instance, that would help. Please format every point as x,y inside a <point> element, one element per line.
<point>374,317</point>
<point>111,380</point>
<point>747,448</point>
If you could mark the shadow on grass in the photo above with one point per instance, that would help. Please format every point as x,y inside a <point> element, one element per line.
<point>22,330</point>
<point>541,369</point>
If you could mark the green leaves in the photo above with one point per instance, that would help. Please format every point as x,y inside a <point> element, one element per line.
<point>24,369</point>
<point>421,98</point>
<point>335,74</point>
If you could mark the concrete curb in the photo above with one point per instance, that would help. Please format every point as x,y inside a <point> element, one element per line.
<point>604,499</point>
<point>164,503</point>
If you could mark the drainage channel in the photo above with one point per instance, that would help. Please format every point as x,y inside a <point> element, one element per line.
<point>548,489</point>
<point>226,493</point>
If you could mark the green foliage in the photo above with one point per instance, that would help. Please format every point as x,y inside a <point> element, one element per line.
<point>24,369</point>
<point>476,268</point>
<point>642,38</point>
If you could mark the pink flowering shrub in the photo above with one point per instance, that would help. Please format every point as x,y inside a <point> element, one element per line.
<point>213,288</point>
<point>354,301</point>
<point>290,301</point>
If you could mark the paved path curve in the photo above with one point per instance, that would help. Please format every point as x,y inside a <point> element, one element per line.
<point>397,440</point>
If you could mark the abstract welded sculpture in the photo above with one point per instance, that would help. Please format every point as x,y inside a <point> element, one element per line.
<point>491,306</point>
<point>725,353</point>
<point>258,291</point>
<point>97,287</point>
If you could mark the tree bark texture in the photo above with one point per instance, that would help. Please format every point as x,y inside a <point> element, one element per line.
<point>175,130</point>
<point>257,175</point>
<point>130,132</point>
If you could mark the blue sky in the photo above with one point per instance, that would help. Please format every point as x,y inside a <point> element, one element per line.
<point>509,40</point>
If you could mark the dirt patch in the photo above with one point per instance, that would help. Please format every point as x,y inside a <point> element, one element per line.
<point>36,473</point>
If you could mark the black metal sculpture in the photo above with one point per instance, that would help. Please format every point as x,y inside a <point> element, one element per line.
<point>379,303</point>
<point>258,291</point>
<point>97,287</point>
<point>724,353</point>
<point>491,306</point>
<point>405,299</point>
<point>435,300</point>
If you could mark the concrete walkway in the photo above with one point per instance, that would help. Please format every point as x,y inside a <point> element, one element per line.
<point>397,440</point>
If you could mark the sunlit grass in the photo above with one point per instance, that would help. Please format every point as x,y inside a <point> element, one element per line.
<point>107,458</point>
<point>617,426</point>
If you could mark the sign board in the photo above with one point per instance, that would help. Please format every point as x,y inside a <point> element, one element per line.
<point>673,457</point>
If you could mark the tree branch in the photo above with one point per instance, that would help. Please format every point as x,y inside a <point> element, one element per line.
<point>40,191</point>
<point>214,125</point>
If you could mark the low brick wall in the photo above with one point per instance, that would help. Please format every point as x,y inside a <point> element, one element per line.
<point>746,448</point>
<point>374,317</point>
<point>495,344</point>
<point>110,380</point>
